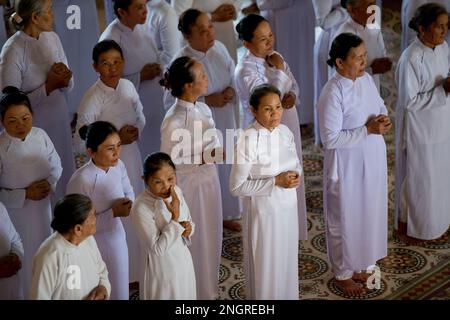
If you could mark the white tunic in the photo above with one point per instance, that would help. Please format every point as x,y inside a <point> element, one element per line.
<point>163,23</point>
<point>373,40</point>
<point>10,242</point>
<point>329,15</point>
<point>252,71</point>
<point>21,164</point>
<point>25,63</point>
<point>3,34</point>
<point>120,106</point>
<point>168,270</point>
<point>270,228</point>
<point>293,25</point>
<point>225,32</point>
<point>65,271</point>
<point>139,49</point>
<point>201,187</point>
<point>423,141</point>
<point>409,8</point>
<point>355,173</point>
<point>219,67</point>
<point>104,188</point>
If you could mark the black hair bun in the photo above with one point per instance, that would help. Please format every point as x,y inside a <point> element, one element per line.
<point>10,90</point>
<point>83,132</point>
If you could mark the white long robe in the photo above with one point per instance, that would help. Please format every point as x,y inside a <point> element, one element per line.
<point>219,67</point>
<point>120,106</point>
<point>59,263</point>
<point>329,15</point>
<point>163,23</point>
<point>225,32</point>
<point>25,63</point>
<point>168,270</point>
<point>270,228</point>
<point>201,187</point>
<point>373,40</point>
<point>293,25</point>
<point>22,163</point>
<point>423,141</point>
<point>252,71</point>
<point>104,188</point>
<point>78,34</point>
<point>3,34</point>
<point>10,288</point>
<point>409,7</point>
<point>139,49</point>
<point>355,174</point>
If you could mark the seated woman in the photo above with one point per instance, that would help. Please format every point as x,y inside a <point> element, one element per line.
<point>352,120</point>
<point>68,265</point>
<point>267,181</point>
<point>164,225</point>
<point>11,256</point>
<point>104,179</point>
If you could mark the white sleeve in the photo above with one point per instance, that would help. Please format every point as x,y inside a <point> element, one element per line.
<point>127,188</point>
<point>410,96</point>
<point>11,233</point>
<point>181,6</point>
<point>330,121</point>
<point>170,36</point>
<point>139,109</point>
<point>62,58</point>
<point>157,241</point>
<point>328,17</point>
<point>11,75</point>
<point>185,208</point>
<point>44,278</point>
<point>102,269</point>
<point>54,160</point>
<point>264,5</point>
<point>241,183</point>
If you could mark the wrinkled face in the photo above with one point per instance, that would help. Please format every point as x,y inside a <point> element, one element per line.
<point>263,40</point>
<point>359,11</point>
<point>202,35</point>
<point>18,121</point>
<point>200,85</point>
<point>89,226</point>
<point>160,182</point>
<point>269,111</point>
<point>44,20</point>
<point>436,32</point>
<point>110,67</point>
<point>108,153</point>
<point>355,63</point>
<point>135,14</point>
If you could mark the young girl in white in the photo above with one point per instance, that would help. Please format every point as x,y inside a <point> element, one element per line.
<point>164,225</point>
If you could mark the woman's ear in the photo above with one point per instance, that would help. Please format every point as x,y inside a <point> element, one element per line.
<point>78,230</point>
<point>121,13</point>
<point>339,63</point>
<point>422,30</point>
<point>90,152</point>
<point>34,17</point>
<point>246,44</point>
<point>254,111</point>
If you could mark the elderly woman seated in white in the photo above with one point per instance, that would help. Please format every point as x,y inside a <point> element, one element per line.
<point>68,265</point>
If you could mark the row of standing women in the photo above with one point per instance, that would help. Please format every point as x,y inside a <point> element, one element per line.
<point>351,141</point>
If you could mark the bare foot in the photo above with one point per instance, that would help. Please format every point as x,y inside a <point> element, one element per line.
<point>350,287</point>
<point>360,276</point>
<point>232,225</point>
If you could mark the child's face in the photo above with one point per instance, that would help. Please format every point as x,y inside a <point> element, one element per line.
<point>160,182</point>
<point>18,121</point>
